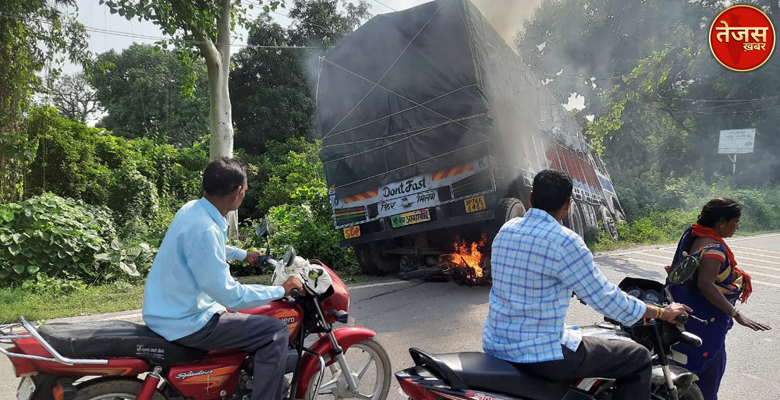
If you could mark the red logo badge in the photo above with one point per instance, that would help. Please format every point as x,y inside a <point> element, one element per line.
<point>742,38</point>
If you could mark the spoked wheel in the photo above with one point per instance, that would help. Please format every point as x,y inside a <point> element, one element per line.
<point>370,366</point>
<point>113,390</point>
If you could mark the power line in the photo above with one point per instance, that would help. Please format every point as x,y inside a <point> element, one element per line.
<point>159,38</point>
<point>385,5</point>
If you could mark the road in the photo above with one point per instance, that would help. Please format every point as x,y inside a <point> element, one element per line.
<point>446,317</point>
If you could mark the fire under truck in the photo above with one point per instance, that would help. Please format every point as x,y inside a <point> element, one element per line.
<point>433,129</point>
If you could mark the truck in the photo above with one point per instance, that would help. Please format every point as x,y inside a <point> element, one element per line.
<point>433,129</point>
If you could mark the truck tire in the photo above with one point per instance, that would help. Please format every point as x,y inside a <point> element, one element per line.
<point>373,262</point>
<point>574,219</point>
<point>610,223</point>
<point>505,210</point>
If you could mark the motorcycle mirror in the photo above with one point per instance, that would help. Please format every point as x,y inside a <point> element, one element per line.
<point>289,257</point>
<point>262,230</point>
<point>682,270</point>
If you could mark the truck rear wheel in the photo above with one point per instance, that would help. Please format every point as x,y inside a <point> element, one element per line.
<point>574,219</point>
<point>505,210</point>
<point>373,262</point>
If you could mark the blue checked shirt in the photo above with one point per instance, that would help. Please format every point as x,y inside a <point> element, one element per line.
<point>536,263</point>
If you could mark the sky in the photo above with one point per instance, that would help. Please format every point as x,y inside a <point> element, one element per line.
<point>506,16</point>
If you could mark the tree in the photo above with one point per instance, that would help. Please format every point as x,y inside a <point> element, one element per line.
<point>271,94</point>
<point>271,88</point>
<point>33,34</point>
<point>658,96</point>
<point>205,25</point>
<point>141,88</point>
<point>75,98</point>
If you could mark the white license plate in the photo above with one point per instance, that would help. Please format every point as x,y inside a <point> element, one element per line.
<point>26,389</point>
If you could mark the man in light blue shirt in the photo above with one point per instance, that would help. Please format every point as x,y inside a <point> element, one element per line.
<point>536,263</point>
<point>190,286</point>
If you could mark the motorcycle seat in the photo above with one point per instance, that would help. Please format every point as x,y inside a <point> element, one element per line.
<point>116,339</point>
<point>480,371</point>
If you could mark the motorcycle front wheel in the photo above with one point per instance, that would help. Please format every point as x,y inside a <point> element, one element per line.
<point>113,390</point>
<point>369,364</point>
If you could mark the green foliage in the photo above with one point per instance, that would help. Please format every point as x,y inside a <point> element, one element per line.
<point>289,190</point>
<point>308,227</point>
<point>141,89</point>
<point>51,235</point>
<point>44,284</point>
<point>33,34</point>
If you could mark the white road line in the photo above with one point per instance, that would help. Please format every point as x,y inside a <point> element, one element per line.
<point>750,272</point>
<point>370,285</point>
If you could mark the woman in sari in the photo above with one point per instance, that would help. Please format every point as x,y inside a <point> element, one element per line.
<point>713,291</point>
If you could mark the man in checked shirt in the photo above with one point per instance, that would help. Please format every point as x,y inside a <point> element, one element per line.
<point>536,263</point>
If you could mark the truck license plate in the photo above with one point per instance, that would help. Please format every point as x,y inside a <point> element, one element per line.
<point>26,389</point>
<point>351,232</point>
<point>410,218</point>
<point>475,204</point>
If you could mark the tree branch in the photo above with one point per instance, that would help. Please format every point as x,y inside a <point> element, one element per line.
<point>205,45</point>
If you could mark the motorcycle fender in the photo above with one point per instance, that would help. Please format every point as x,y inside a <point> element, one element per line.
<point>346,337</point>
<point>681,377</point>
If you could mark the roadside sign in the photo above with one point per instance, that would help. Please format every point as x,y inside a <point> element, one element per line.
<point>737,141</point>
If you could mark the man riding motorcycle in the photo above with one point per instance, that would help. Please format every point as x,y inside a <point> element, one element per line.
<point>190,286</point>
<point>536,263</point>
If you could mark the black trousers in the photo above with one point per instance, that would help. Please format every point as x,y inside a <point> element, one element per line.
<point>627,362</point>
<point>265,336</point>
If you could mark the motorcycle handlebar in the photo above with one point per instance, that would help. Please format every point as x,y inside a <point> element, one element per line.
<point>295,293</point>
<point>683,319</point>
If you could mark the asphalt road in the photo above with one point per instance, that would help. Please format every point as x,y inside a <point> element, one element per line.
<point>446,317</point>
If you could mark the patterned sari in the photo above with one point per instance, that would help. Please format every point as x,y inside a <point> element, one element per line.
<point>708,362</point>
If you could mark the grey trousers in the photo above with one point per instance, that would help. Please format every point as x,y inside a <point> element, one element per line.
<point>262,335</point>
<point>627,362</point>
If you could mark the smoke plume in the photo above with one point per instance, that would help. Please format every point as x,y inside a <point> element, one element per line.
<point>507,16</point>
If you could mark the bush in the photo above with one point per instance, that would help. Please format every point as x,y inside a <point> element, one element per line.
<point>49,237</point>
<point>308,226</point>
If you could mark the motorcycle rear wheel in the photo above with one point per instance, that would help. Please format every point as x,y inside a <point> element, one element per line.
<point>113,390</point>
<point>369,363</point>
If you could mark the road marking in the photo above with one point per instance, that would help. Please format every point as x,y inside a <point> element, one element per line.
<point>745,248</point>
<point>766,283</point>
<point>750,272</point>
<point>370,285</point>
<point>738,263</point>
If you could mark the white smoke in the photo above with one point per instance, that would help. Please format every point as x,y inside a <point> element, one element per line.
<point>506,16</point>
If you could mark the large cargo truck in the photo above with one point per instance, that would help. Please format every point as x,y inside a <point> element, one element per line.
<point>433,129</point>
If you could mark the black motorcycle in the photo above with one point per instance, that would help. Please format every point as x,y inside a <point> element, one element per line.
<point>475,375</point>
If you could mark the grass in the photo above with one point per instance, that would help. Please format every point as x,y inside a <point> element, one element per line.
<point>100,299</point>
<point>93,300</point>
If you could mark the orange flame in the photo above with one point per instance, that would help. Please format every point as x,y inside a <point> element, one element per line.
<point>469,255</point>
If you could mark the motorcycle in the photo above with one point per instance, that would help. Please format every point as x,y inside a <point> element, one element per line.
<point>475,375</point>
<point>124,360</point>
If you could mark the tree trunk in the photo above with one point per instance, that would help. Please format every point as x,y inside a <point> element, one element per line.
<point>217,57</point>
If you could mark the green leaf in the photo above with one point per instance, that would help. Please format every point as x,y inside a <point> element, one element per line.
<point>19,269</point>
<point>32,269</point>
<point>129,269</point>
<point>103,257</point>
<point>14,249</point>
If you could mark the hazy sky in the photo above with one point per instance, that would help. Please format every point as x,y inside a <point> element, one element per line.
<point>507,17</point>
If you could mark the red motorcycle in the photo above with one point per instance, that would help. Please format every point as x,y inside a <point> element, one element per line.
<point>124,360</point>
